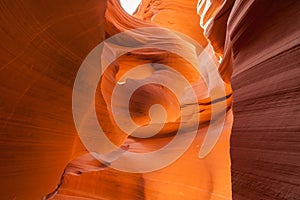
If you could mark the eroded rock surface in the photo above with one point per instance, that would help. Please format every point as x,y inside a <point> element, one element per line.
<point>264,36</point>
<point>42,46</point>
<point>253,44</point>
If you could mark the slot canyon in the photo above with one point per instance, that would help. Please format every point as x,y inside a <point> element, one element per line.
<point>172,100</point>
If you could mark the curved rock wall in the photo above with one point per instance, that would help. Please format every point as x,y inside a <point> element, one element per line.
<point>265,149</point>
<point>211,176</point>
<point>260,44</point>
<point>255,46</point>
<point>43,44</point>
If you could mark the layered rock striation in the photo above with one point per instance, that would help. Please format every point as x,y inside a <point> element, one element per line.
<point>254,45</point>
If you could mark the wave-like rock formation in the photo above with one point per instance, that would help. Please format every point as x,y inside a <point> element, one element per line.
<point>264,39</point>
<point>51,150</point>
<point>259,41</point>
<point>174,181</point>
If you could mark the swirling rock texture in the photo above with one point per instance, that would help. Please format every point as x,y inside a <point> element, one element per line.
<point>255,46</point>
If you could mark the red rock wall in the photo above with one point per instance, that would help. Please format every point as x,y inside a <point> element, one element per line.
<point>259,45</point>
<point>42,46</point>
<point>44,43</point>
<point>265,149</point>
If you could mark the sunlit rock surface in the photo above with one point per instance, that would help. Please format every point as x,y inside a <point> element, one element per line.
<point>254,45</point>
<point>211,175</point>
